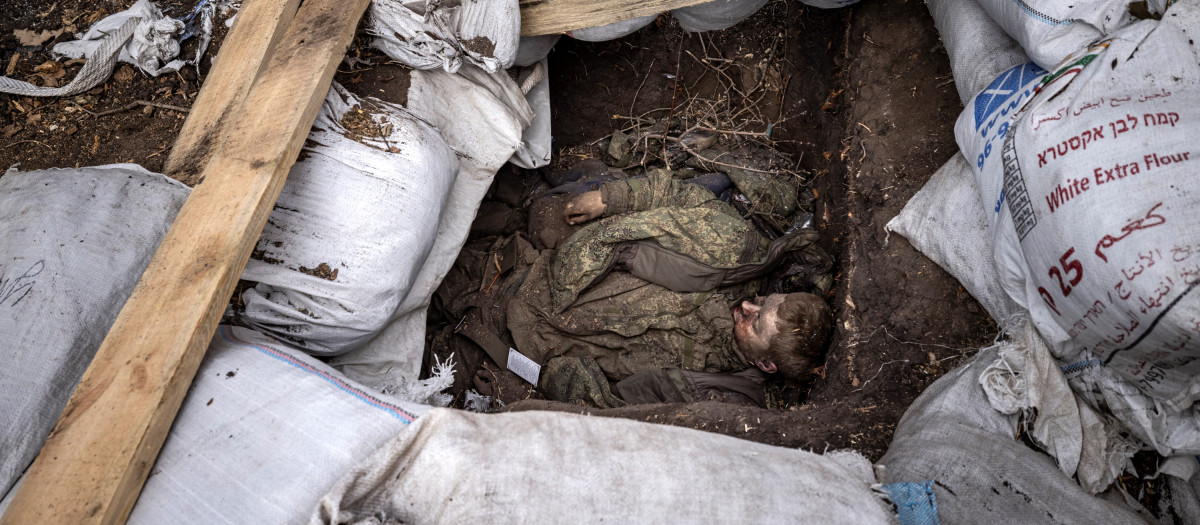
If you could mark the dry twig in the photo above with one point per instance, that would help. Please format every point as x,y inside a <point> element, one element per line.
<point>674,92</point>
<point>135,104</point>
<point>28,141</point>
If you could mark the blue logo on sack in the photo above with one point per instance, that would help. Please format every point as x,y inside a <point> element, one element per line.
<point>998,94</point>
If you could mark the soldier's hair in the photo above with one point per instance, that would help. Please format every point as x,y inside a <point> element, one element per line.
<point>804,322</point>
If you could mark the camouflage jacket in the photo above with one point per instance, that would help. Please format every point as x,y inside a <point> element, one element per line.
<point>671,233</point>
<point>587,324</point>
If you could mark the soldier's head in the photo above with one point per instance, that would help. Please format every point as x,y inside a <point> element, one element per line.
<point>783,333</point>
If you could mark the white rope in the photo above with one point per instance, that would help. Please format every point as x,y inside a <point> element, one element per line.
<point>535,75</point>
<point>97,69</point>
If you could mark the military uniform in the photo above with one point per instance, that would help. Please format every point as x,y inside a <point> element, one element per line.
<point>641,297</point>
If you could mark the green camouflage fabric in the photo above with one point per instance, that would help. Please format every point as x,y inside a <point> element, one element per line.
<point>770,196</point>
<point>589,326</point>
<point>579,381</point>
<point>684,218</point>
<point>626,325</point>
<point>623,324</point>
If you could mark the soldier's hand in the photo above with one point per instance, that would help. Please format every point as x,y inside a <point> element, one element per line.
<point>584,207</point>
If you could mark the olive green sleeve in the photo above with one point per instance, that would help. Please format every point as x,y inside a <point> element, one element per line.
<point>654,386</point>
<point>656,190</point>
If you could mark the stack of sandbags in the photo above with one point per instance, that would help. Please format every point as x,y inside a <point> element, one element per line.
<point>544,467</point>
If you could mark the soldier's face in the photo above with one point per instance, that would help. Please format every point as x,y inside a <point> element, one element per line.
<point>754,325</point>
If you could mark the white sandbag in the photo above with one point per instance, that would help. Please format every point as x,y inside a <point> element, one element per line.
<point>1026,380</point>
<point>829,4</point>
<point>945,222</point>
<point>612,31</point>
<point>716,15</point>
<point>537,140</point>
<point>73,243</point>
<point>351,228</point>
<point>980,472</point>
<point>1090,172</point>
<point>428,34</point>
<point>1049,30</point>
<point>454,104</point>
<point>541,467</point>
<point>534,49</point>
<point>979,49</point>
<point>264,432</point>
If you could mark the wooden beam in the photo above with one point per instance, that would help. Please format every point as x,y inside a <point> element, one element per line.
<point>548,17</point>
<point>259,25</point>
<point>94,463</point>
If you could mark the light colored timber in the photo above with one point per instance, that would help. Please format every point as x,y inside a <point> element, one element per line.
<point>548,17</point>
<point>258,26</point>
<point>94,463</point>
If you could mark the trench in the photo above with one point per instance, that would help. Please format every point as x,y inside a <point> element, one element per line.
<point>862,100</point>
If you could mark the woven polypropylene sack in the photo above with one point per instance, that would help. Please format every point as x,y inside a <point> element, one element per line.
<point>73,243</point>
<point>539,467</point>
<point>716,15</point>
<point>611,31</point>
<point>430,34</point>
<point>264,431</point>
<point>351,227</point>
<point>981,472</point>
<point>1086,175</point>
<point>1049,30</point>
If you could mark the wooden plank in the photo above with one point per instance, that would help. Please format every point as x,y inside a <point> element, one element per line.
<point>258,27</point>
<point>94,463</point>
<point>548,17</point>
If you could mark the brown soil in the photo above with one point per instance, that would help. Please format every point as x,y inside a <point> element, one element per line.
<point>862,96</point>
<point>66,131</point>
<point>868,107</point>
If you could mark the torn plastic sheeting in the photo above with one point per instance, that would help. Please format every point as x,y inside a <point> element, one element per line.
<point>1027,380</point>
<point>427,34</point>
<point>199,23</point>
<point>152,48</point>
<point>916,503</point>
<point>981,472</point>
<point>140,35</point>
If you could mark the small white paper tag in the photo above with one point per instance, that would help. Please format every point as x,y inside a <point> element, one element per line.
<point>523,366</point>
